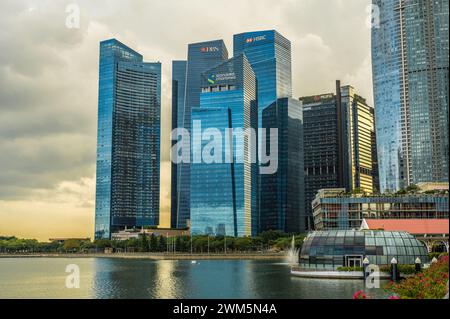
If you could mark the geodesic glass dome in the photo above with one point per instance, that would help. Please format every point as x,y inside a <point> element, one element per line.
<point>337,248</point>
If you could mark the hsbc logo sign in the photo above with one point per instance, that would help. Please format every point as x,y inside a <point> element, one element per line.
<point>255,39</point>
<point>209,49</point>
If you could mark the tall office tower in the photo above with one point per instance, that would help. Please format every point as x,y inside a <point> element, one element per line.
<point>178,87</point>
<point>201,57</point>
<point>358,137</point>
<point>282,193</point>
<point>128,141</point>
<point>224,169</point>
<point>338,143</point>
<point>410,65</point>
<point>269,54</point>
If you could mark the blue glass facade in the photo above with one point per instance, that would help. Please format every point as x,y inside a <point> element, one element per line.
<point>426,25</point>
<point>224,192</point>
<point>386,67</point>
<point>128,142</point>
<point>283,193</point>
<point>269,54</point>
<point>201,57</point>
<point>178,87</point>
<point>410,76</point>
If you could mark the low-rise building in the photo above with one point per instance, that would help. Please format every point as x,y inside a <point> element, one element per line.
<point>337,209</point>
<point>332,249</point>
<point>432,232</point>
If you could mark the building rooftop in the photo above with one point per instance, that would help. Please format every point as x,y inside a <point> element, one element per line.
<point>412,226</point>
<point>429,191</point>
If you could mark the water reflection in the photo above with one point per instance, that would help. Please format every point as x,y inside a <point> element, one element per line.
<point>167,285</point>
<point>139,278</point>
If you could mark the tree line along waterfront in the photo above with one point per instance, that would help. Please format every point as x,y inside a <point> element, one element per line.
<point>268,241</point>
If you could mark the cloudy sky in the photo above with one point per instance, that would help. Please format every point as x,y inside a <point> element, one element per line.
<point>49,74</point>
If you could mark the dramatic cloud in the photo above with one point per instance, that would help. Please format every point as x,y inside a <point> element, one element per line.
<point>49,77</point>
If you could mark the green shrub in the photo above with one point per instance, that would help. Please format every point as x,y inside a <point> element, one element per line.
<point>350,268</point>
<point>404,269</point>
<point>436,255</point>
<point>431,283</point>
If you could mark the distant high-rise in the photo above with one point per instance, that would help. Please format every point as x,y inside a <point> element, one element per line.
<point>224,185</point>
<point>282,193</point>
<point>128,142</point>
<point>338,144</point>
<point>358,137</point>
<point>201,57</point>
<point>178,92</point>
<point>410,64</point>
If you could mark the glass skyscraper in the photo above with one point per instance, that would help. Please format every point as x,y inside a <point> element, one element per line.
<point>178,87</point>
<point>282,193</point>
<point>224,191</point>
<point>410,61</point>
<point>128,141</point>
<point>201,57</point>
<point>269,54</point>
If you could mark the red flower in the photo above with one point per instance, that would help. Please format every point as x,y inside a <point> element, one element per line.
<point>394,297</point>
<point>359,295</point>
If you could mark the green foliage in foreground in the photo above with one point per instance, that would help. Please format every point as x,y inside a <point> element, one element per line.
<point>431,283</point>
<point>268,240</point>
<point>350,268</point>
<point>436,255</point>
<point>403,269</point>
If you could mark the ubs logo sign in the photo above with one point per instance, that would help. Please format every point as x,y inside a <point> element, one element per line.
<point>255,39</point>
<point>209,49</point>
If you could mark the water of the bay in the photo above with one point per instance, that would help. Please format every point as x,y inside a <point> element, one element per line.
<point>143,278</point>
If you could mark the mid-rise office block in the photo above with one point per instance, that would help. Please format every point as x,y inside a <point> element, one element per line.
<point>337,209</point>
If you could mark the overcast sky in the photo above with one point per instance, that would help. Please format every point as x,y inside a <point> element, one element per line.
<point>49,75</point>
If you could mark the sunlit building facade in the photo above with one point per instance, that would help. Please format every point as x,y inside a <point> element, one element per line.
<point>224,189</point>
<point>128,142</point>
<point>339,144</point>
<point>410,63</point>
